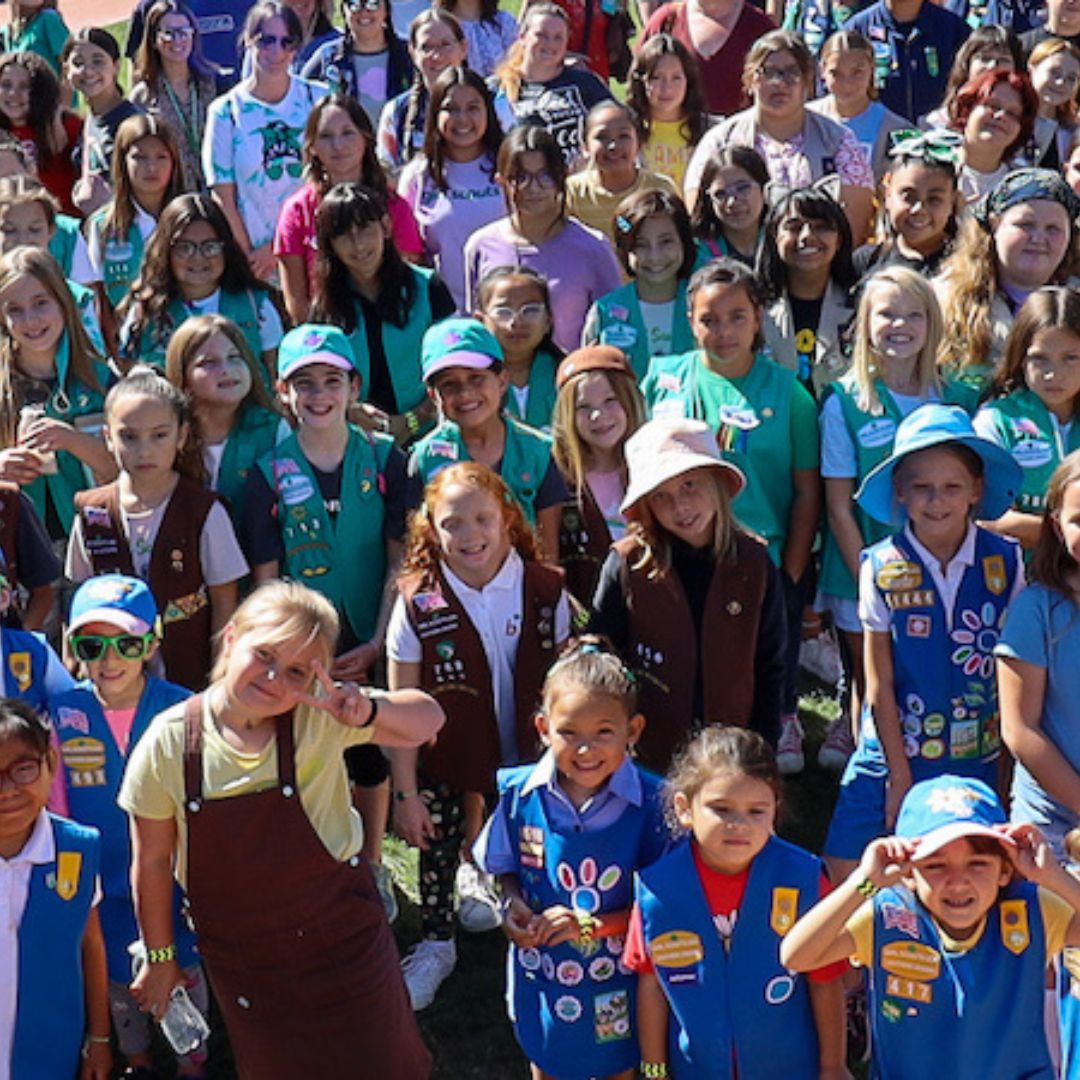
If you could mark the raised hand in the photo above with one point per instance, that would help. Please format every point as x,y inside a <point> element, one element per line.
<point>345,702</point>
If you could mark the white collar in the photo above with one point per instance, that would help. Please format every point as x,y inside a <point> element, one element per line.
<point>507,579</point>
<point>964,556</point>
<point>41,847</point>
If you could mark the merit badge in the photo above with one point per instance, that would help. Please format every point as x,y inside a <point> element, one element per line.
<point>68,865</point>
<point>785,907</point>
<point>918,626</point>
<point>612,1016</point>
<point>1015,932</point>
<point>676,949</point>
<point>568,1009</point>
<point>911,960</point>
<point>994,574</point>
<point>19,666</point>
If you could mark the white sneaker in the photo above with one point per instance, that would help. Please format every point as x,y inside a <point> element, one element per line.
<point>789,749</point>
<point>384,882</point>
<point>820,656</point>
<point>838,745</point>
<point>426,968</point>
<point>477,906</point>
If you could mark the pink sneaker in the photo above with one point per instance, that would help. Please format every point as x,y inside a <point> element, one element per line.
<point>838,745</point>
<point>789,750</point>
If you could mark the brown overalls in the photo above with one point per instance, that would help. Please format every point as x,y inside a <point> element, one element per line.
<point>296,943</point>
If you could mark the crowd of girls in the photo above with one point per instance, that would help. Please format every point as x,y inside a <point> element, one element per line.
<point>404,429</point>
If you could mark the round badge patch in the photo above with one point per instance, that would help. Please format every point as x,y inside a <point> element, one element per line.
<point>601,969</point>
<point>547,966</point>
<point>568,1009</point>
<point>778,990</point>
<point>529,959</point>
<point>569,973</point>
<point>933,749</point>
<point>933,725</point>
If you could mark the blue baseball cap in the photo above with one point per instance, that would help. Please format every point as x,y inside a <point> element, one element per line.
<point>937,812</point>
<point>116,599</point>
<point>466,343</point>
<point>314,343</point>
<point>934,425</point>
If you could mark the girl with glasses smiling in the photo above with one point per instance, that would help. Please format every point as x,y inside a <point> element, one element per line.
<point>252,147</point>
<point>730,209</point>
<point>193,266</point>
<point>175,82</point>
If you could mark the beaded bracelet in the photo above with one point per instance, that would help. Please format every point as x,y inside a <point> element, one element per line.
<point>867,888</point>
<point>412,422</point>
<point>650,1069</point>
<point>162,955</point>
<point>587,927</point>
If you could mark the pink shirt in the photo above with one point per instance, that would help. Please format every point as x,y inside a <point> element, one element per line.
<point>295,234</point>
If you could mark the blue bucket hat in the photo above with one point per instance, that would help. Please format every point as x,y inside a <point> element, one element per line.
<point>313,343</point>
<point>934,425</point>
<point>117,600</point>
<point>937,812</point>
<point>466,343</point>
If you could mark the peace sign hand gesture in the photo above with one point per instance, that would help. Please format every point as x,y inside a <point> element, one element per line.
<point>345,702</point>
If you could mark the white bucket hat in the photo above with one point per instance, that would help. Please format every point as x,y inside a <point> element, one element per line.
<point>663,449</point>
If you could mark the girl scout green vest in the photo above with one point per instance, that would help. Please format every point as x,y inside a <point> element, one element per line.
<point>241,308</point>
<point>64,240</point>
<point>621,324</point>
<point>252,438</point>
<point>873,437</point>
<point>525,459</point>
<point>401,344</point>
<point>345,560</point>
<point>121,258</point>
<point>540,407</point>
<point>70,400</point>
<point>1026,429</point>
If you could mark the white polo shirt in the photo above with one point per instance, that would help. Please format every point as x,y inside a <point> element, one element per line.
<point>496,612</point>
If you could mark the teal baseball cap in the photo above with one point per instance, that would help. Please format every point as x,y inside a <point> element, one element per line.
<point>936,812</point>
<point>466,343</point>
<point>115,599</point>
<point>314,343</point>
<point>933,425</point>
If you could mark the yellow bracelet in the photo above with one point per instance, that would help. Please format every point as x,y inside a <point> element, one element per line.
<point>161,956</point>
<point>651,1069</point>
<point>867,888</point>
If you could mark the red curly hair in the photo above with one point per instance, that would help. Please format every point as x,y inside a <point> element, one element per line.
<point>977,91</point>
<point>422,548</point>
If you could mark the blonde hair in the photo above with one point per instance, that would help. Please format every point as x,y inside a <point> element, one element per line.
<point>510,74</point>
<point>39,264</point>
<point>972,275</point>
<point>655,540</point>
<point>569,449</point>
<point>284,611</point>
<point>866,365</point>
<point>1066,113</point>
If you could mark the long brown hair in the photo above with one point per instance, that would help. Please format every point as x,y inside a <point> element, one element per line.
<point>422,548</point>
<point>39,264</point>
<point>434,151</point>
<point>146,66</point>
<point>371,172</point>
<point>1052,565</point>
<point>695,114</point>
<point>120,215</point>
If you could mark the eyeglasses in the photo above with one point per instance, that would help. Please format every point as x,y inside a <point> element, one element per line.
<point>208,249</point>
<point>362,5</point>
<point>736,193</point>
<point>794,226</point>
<point>789,76</point>
<point>22,774</point>
<point>268,41</point>
<point>91,647</point>
<point>542,180</point>
<point>526,313</point>
<point>175,33</point>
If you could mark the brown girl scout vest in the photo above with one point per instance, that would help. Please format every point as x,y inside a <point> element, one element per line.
<point>584,542</point>
<point>176,572</point>
<point>455,671</point>
<point>9,530</point>
<point>660,646</point>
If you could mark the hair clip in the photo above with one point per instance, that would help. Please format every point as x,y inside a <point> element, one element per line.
<point>622,223</point>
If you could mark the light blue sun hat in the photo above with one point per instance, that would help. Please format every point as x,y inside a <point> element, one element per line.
<point>933,425</point>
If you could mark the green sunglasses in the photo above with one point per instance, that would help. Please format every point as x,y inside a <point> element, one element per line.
<point>91,647</point>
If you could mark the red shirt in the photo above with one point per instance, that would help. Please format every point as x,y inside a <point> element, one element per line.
<point>595,49</point>
<point>721,73</point>
<point>724,893</point>
<point>59,176</point>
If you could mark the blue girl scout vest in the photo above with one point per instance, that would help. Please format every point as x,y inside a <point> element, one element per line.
<point>401,344</point>
<point>525,459</point>
<point>1024,426</point>
<point>967,1016</point>
<point>946,690</point>
<point>26,660</point>
<point>93,768</point>
<point>50,1011</point>
<point>621,324</point>
<point>573,1005</point>
<point>345,560</point>
<point>734,1003</point>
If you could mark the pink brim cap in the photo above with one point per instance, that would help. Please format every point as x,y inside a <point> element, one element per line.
<point>475,361</point>
<point>957,830</point>
<point>331,359</point>
<point>123,620</point>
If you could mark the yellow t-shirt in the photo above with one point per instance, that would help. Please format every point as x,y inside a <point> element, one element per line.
<point>153,784</point>
<point>667,152</point>
<point>591,203</point>
<point>1056,916</point>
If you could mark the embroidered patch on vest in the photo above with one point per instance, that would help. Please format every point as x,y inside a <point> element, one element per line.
<point>427,602</point>
<point>96,515</point>
<point>875,433</point>
<point>68,867</point>
<point>909,598</point>
<point>612,1016</point>
<point>531,846</point>
<point>899,576</point>
<point>898,917</point>
<point>918,626</point>
<point>911,960</point>
<point>1015,931</point>
<point>84,759</point>
<point>184,607</point>
<point>921,992</point>
<point>443,448</point>
<point>994,575</point>
<point>676,949</point>
<point>785,906</point>
<point>19,666</point>
<point>72,718</point>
